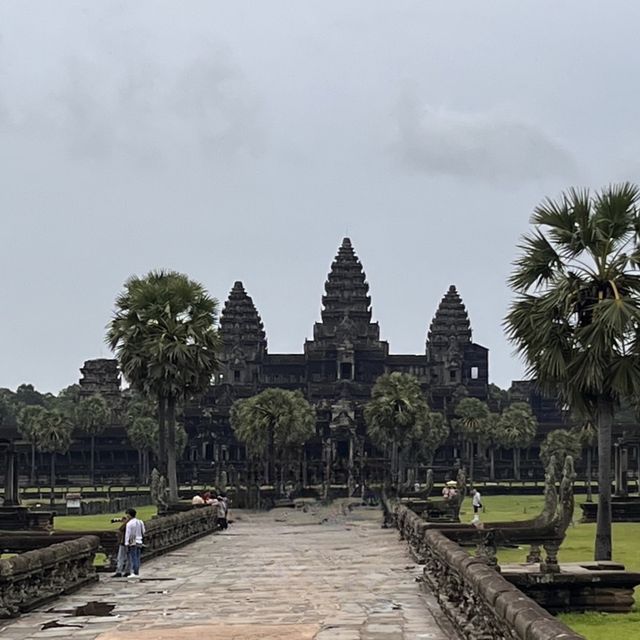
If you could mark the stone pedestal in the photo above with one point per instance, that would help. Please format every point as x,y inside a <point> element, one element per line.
<point>585,586</point>
<point>622,510</point>
<point>17,518</point>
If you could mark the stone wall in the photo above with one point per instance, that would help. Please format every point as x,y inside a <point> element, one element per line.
<point>164,533</point>
<point>480,603</point>
<point>35,577</point>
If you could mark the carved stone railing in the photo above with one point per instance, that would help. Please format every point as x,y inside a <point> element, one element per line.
<point>162,534</point>
<point>35,577</point>
<point>546,531</point>
<point>480,603</point>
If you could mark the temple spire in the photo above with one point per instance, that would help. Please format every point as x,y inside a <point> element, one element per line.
<point>450,328</point>
<point>346,296</point>
<point>240,322</point>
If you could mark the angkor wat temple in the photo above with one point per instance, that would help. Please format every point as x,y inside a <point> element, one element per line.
<point>336,371</point>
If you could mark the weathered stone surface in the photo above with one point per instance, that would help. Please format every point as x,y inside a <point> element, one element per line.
<point>272,575</point>
<point>475,597</point>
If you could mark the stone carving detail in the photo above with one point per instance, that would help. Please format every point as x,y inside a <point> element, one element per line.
<point>429,483</point>
<point>29,579</point>
<point>159,492</point>
<point>478,601</point>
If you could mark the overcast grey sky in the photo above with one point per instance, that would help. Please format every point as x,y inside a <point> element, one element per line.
<point>242,140</point>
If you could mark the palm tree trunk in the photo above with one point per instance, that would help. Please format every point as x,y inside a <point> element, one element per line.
<point>172,474</point>
<point>471,462</point>
<point>394,464</point>
<point>492,464</point>
<point>602,549</point>
<point>516,463</point>
<point>52,498</point>
<point>93,459</point>
<point>33,464</point>
<point>589,492</point>
<point>271,462</point>
<point>162,436</point>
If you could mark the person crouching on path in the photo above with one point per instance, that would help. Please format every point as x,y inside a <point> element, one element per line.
<point>133,535</point>
<point>122,561</point>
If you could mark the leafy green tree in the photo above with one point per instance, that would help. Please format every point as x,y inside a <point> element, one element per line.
<point>54,437</point>
<point>92,415</point>
<point>433,432</point>
<point>587,436</point>
<point>471,420</point>
<point>164,336</point>
<point>26,394</point>
<point>516,430</point>
<point>29,423</point>
<point>397,414</point>
<point>576,315</point>
<point>559,444</point>
<point>272,423</point>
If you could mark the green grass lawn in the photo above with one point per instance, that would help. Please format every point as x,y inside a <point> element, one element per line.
<point>100,522</point>
<point>577,547</point>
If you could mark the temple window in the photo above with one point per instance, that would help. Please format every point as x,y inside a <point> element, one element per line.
<point>474,373</point>
<point>346,371</point>
<point>236,376</point>
<point>452,375</point>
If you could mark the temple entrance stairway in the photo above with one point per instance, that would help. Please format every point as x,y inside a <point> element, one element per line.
<point>316,573</point>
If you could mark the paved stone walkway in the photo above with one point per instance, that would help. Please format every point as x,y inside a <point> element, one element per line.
<point>281,575</point>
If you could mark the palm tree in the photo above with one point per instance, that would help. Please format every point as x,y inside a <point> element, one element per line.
<point>164,336</point>
<point>54,437</point>
<point>272,423</point>
<point>587,436</point>
<point>395,415</point>
<point>558,445</point>
<point>493,441</point>
<point>143,435</point>
<point>576,314</point>
<point>516,430</point>
<point>29,422</point>
<point>92,415</point>
<point>473,423</point>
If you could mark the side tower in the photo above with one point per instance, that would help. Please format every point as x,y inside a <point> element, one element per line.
<point>244,342</point>
<point>100,376</point>
<point>454,360</point>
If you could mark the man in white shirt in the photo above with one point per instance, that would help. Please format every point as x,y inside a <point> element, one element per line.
<point>476,500</point>
<point>133,535</point>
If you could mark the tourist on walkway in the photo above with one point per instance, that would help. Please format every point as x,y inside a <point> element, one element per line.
<point>134,534</point>
<point>122,560</point>
<point>449,491</point>
<point>476,500</point>
<point>223,509</point>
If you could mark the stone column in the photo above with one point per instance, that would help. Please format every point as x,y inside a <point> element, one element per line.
<point>11,487</point>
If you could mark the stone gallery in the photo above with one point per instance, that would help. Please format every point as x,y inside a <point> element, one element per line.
<point>335,370</point>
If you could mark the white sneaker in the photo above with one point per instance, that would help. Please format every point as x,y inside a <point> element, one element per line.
<point>133,575</point>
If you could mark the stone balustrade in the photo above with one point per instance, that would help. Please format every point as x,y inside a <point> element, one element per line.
<point>164,533</point>
<point>35,577</point>
<point>479,602</point>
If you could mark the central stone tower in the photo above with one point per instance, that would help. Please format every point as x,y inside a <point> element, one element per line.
<point>346,350</point>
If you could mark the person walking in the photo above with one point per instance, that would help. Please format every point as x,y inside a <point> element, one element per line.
<point>122,560</point>
<point>222,512</point>
<point>476,500</point>
<point>133,535</point>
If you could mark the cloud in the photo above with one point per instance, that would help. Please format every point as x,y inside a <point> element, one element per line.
<point>103,103</point>
<point>487,146</point>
